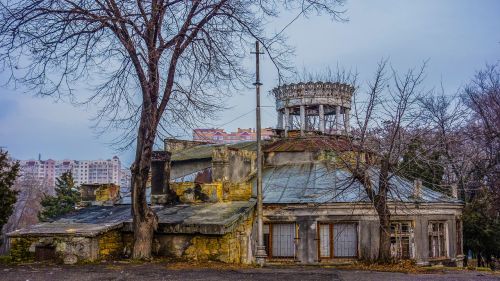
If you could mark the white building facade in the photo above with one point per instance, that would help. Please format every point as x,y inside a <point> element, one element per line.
<point>84,171</point>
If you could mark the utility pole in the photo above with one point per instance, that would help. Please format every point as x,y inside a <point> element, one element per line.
<point>261,249</point>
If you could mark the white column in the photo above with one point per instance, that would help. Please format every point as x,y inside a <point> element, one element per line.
<point>302,120</point>
<point>346,120</point>
<point>280,120</point>
<point>321,118</point>
<point>337,118</point>
<point>287,120</point>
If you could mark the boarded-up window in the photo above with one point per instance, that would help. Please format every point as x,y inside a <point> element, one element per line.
<point>325,240</point>
<point>282,240</point>
<point>400,240</point>
<point>437,239</point>
<point>344,240</point>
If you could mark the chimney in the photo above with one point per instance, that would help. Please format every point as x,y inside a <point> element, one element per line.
<point>160,176</point>
<point>454,190</point>
<point>417,188</point>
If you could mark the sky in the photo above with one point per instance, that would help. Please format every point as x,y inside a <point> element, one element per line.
<point>456,37</point>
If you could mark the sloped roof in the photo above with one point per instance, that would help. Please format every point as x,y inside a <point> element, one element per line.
<point>205,218</point>
<point>322,183</point>
<point>316,143</point>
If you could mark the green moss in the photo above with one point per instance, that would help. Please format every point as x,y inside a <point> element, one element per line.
<point>6,260</point>
<point>19,249</point>
<point>110,244</point>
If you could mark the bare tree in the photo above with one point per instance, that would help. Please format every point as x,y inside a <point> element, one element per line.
<point>380,137</point>
<point>30,193</point>
<point>482,97</point>
<point>152,62</point>
<point>446,117</point>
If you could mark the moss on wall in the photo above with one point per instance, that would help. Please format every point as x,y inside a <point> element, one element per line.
<point>229,248</point>
<point>190,192</point>
<point>110,244</point>
<point>237,191</point>
<point>20,249</point>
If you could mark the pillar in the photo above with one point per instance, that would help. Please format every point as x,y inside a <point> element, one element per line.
<point>302,120</point>
<point>337,118</point>
<point>321,119</point>
<point>160,177</point>
<point>346,120</point>
<point>287,121</point>
<point>280,120</point>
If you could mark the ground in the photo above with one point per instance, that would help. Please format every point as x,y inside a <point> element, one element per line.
<point>160,271</point>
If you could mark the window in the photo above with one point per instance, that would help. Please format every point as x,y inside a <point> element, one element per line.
<point>339,240</point>
<point>437,239</point>
<point>325,241</point>
<point>279,240</point>
<point>400,239</point>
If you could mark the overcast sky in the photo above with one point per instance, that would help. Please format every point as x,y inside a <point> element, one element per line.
<point>457,37</point>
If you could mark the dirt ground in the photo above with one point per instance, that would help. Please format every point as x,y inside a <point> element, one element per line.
<point>158,271</point>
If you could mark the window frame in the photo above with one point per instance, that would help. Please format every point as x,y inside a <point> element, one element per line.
<point>269,240</point>
<point>332,240</point>
<point>398,236</point>
<point>444,234</point>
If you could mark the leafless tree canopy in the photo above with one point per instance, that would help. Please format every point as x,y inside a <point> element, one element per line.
<point>154,63</point>
<point>193,49</point>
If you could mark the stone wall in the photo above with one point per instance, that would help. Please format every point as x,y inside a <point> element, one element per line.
<point>190,192</point>
<point>233,247</point>
<point>20,249</point>
<point>237,191</point>
<point>66,249</point>
<point>110,244</point>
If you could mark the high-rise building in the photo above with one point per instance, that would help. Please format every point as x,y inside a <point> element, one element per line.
<point>84,171</point>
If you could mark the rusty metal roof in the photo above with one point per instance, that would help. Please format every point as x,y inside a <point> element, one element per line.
<point>316,143</point>
<point>320,182</point>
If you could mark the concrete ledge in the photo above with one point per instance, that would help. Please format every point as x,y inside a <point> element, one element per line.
<point>65,229</point>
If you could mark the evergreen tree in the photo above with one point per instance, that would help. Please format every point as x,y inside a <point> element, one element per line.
<point>481,222</point>
<point>65,200</point>
<point>8,175</point>
<point>419,163</point>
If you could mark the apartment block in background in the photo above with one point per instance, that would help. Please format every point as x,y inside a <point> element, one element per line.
<point>84,171</point>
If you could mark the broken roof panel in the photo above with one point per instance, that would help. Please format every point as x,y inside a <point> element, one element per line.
<point>320,182</point>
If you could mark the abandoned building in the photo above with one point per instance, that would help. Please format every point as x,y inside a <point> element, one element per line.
<point>314,213</point>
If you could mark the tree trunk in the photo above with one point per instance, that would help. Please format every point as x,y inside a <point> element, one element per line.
<point>145,220</point>
<point>380,203</point>
<point>384,251</point>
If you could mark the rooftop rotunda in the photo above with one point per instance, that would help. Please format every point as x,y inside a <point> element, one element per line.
<point>314,106</point>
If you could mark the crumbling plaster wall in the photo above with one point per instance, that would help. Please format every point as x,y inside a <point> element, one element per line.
<point>232,247</point>
<point>307,218</point>
<point>69,249</point>
<point>232,165</point>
